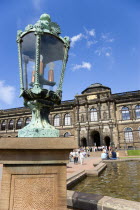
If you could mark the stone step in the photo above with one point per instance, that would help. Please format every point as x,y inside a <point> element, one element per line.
<point>74,177</point>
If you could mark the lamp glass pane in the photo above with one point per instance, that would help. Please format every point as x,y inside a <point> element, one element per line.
<point>51,60</point>
<point>28,59</point>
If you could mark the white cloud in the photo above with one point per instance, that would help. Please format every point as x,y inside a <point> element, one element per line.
<point>89,43</point>
<point>106,37</point>
<point>90,32</point>
<point>111,40</point>
<point>88,36</point>
<point>104,51</point>
<point>107,54</point>
<point>76,38</point>
<point>7,93</point>
<point>84,65</point>
<point>98,51</point>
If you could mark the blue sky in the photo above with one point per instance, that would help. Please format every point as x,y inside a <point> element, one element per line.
<point>105,43</point>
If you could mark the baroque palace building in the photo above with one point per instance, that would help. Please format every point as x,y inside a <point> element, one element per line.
<point>96,117</point>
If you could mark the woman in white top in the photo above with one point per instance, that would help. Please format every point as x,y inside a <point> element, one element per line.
<point>81,157</point>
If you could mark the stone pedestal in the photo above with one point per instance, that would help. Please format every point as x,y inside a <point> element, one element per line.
<point>34,173</point>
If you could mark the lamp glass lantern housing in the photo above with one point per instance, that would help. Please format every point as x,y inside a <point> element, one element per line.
<point>51,59</point>
<point>42,60</point>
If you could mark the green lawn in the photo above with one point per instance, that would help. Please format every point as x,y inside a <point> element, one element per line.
<point>133,152</point>
<point>127,157</point>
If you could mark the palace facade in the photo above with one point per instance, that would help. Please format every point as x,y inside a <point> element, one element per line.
<point>95,117</point>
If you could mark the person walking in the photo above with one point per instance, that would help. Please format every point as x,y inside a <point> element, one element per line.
<point>71,156</point>
<point>81,157</point>
<point>74,156</point>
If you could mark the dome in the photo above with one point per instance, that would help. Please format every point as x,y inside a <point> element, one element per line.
<point>96,87</point>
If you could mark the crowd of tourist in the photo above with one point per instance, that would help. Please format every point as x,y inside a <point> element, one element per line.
<point>78,155</point>
<point>109,154</point>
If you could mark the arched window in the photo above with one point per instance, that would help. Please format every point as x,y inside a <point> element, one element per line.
<point>19,124</point>
<point>128,134</point>
<point>67,134</point>
<point>137,111</point>
<point>125,113</point>
<point>27,121</point>
<point>67,119</point>
<point>3,125</point>
<point>93,115</point>
<point>57,120</point>
<point>11,125</point>
<point>82,118</point>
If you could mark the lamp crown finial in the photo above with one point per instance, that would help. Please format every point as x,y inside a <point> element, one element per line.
<point>45,17</point>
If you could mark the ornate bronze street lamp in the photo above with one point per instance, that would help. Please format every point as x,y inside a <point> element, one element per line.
<point>42,61</point>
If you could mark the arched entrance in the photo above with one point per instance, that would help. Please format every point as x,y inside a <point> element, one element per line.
<point>83,142</point>
<point>107,141</point>
<point>95,137</point>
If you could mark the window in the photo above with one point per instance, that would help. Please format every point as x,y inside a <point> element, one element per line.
<point>93,115</point>
<point>11,125</point>
<point>82,118</point>
<point>67,134</point>
<point>125,113</point>
<point>128,134</point>
<point>67,119</point>
<point>57,120</point>
<point>19,124</point>
<point>28,120</point>
<point>3,125</point>
<point>137,111</point>
<point>105,116</point>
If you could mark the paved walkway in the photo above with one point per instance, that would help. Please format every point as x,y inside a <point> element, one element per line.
<point>87,165</point>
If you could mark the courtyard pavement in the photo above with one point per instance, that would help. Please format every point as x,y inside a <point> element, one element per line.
<point>87,165</point>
